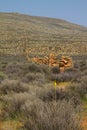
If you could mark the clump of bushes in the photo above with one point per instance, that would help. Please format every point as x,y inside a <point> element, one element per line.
<point>80,87</point>
<point>60,94</point>
<point>19,71</point>
<point>66,76</point>
<point>59,115</point>
<point>34,68</point>
<point>30,77</point>
<point>13,103</point>
<point>8,86</point>
<point>37,106</point>
<point>13,68</point>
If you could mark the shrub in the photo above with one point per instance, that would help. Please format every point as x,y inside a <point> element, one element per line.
<point>66,76</point>
<point>81,87</point>
<point>14,102</point>
<point>16,86</point>
<point>60,94</point>
<point>34,68</point>
<point>3,65</point>
<point>50,116</point>
<point>30,77</point>
<point>13,68</point>
<point>55,70</point>
<point>2,76</point>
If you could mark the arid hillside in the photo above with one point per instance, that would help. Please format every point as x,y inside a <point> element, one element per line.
<point>39,34</point>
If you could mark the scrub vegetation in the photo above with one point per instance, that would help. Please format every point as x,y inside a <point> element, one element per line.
<point>29,97</point>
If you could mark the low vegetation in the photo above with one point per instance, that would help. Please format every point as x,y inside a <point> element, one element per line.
<point>27,95</point>
<point>34,96</point>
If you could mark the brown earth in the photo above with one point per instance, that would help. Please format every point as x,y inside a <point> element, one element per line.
<point>84,123</point>
<point>10,125</point>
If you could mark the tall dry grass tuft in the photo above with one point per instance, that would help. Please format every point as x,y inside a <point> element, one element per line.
<point>59,115</point>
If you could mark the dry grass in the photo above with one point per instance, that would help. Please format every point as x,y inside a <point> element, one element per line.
<point>84,123</point>
<point>40,35</point>
<point>50,116</point>
<point>35,101</point>
<point>10,125</point>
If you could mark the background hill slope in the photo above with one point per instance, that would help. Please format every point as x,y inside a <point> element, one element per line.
<point>55,34</point>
